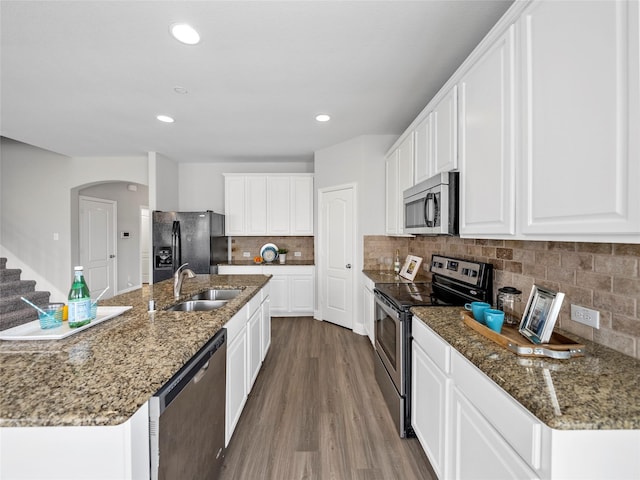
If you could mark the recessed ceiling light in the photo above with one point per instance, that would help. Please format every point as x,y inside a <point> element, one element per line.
<point>323,117</point>
<point>180,90</point>
<point>165,118</point>
<point>184,33</point>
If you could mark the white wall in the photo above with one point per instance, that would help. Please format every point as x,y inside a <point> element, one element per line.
<point>360,161</point>
<point>202,184</point>
<point>163,183</point>
<point>37,201</point>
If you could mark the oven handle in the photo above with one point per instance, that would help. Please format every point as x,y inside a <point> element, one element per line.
<point>386,305</point>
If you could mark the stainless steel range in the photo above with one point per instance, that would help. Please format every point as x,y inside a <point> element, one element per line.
<point>454,282</point>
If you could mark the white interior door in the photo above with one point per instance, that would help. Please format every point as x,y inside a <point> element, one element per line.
<point>98,244</point>
<point>337,245</point>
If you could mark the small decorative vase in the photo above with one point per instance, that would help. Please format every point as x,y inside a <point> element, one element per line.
<point>283,258</point>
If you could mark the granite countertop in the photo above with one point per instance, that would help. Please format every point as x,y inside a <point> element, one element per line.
<point>389,276</point>
<point>103,375</point>
<point>600,391</point>
<point>290,263</point>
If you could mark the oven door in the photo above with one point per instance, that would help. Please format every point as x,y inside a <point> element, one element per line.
<point>388,340</point>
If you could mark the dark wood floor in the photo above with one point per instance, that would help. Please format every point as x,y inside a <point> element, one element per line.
<point>316,412</point>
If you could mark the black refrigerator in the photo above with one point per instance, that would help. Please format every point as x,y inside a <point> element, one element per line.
<point>196,238</point>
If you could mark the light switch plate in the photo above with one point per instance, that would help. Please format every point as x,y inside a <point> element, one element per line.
<point>246,254</point>
<point>297,254</point>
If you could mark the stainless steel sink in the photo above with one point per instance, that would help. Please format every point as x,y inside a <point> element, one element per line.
<point>217,294</point>
<point>197,306</point>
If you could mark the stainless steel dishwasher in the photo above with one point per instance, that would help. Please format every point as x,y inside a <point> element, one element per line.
<point>187,417</point>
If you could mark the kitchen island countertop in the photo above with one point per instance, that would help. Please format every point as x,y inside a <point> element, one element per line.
<point>103,375</point>
<point>600,391</point>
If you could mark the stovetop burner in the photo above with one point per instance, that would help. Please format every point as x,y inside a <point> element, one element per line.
<point>406,295</point>
<point>454,282</point>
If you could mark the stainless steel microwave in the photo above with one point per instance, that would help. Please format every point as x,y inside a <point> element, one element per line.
<point>431,206</point>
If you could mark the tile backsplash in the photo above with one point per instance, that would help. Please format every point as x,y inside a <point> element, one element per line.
<point>601,276</point>
<point>304,245</point>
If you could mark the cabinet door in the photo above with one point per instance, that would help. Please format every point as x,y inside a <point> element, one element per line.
<point>445,129</point>
<point>581,121</point>
<point>430,408</point>
<point>256,205</point>
<point>265,331</point>
<point>302,205</point>
<point>405,176</point>
<point>487,155</point>
<point>236,382</point>
<point>301,293</point>
<point>234,205</point>
<point>392,198</point>
<point>278,201</point>
<point>279,294</point>
<point>254,348</point>
<point>423,142</point>
<point>368,313</point>
<point>479,452</point>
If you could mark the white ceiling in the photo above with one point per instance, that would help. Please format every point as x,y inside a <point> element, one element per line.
<point>87,78</point>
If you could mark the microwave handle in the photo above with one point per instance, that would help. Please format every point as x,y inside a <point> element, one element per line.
<point>430,198</point>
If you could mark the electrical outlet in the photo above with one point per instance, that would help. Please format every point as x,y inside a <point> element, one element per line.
<point>246,254</point>
<point>297,254</point>
<point>585,316</point>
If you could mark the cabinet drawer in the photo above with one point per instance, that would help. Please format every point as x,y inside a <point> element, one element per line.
<point>237,323</point>
<point>435,347</point>
<point>517,425</point>
<point>254,304</point>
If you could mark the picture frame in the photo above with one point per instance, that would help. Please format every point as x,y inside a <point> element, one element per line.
<point>411,267</point>
<point>540,314</point>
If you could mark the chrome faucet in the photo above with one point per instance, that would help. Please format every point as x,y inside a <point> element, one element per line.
<point>178,278</point>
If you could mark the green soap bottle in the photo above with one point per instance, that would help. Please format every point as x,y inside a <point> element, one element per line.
<point>79,300</point>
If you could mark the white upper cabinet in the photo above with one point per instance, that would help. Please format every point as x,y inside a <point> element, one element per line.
<point>487,147</point>
<point>391,193</point>
<point>234,205</point>
<point>423,153</point>
<point>399,177</point>
<point>278,202</point>
<point>580,119</point>
<point>275,204</point>
<point>255,205</point>
<point>445,132</point>
<point>301,205</point>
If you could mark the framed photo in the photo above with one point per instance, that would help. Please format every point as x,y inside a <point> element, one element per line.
<point>411,267</point>
<point>541,314</point>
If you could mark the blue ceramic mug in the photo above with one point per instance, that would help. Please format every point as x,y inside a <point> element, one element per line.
<point>477,309</point>
<point>494,319</point>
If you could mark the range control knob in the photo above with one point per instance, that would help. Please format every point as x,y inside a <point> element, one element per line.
<point>473,273</point>
<point>465,271</point>
<point>437,264</point>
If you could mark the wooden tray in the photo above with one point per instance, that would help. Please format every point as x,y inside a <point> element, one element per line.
<point>559,346</point>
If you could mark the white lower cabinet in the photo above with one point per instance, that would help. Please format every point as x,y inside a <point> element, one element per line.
<point>292,287</point>
<point>292,290</point>
<point>254,346</point>
<point>248,339</point>
<point>368,310</point>
<point>237,371</point>
<point>430,415</point>
<point>478,450</point>
<point>470,428</point>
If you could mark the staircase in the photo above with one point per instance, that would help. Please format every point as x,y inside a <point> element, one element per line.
<point>14,311</point>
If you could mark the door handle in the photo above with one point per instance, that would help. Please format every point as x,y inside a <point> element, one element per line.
<point>112,256</point>
<point>348,265</point>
